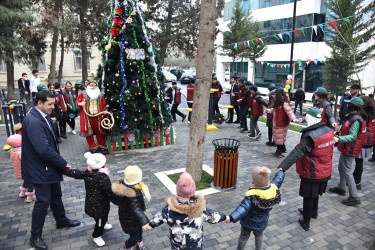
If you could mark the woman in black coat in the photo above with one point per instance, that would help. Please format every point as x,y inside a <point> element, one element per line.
<point>98,193</point>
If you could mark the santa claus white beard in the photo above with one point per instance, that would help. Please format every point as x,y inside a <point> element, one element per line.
<point>93,93</point>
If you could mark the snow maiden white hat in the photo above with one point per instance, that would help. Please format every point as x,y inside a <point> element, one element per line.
<point>95,161</point>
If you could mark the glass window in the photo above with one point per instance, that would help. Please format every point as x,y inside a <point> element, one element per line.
<point>78,61</point>
<point>314,76</point>
<point>275,27</point>
<point>239,69</point>
<point>2,65</point>
<point>265,74</point>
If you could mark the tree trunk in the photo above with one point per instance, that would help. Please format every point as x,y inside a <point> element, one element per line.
<point>207,25</point>
<point>61,65</point>
<point>165,40</point>
<point>10,74</point>
<point>83,42</point>
<point>52,67</point>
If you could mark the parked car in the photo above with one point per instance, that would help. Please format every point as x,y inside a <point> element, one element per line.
<point>169,76</point>
<point>187,78</point>
<point>177,72</point>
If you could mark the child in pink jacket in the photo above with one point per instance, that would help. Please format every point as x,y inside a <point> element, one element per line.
<point>27,188</point>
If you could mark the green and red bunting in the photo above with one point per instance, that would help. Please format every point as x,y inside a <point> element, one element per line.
<point>366,17</point>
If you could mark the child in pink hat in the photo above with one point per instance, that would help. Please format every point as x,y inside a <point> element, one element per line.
<point>184,214</point>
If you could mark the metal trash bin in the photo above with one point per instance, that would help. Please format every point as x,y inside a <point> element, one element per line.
<point>225,162</point>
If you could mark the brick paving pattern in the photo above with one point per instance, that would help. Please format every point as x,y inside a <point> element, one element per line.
<point>337,226</point>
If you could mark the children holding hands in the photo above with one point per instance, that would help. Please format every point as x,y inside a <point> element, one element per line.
<point>253,212</point>
<point>98,192</point>
<point>129,194</point>
<point>184,214</point>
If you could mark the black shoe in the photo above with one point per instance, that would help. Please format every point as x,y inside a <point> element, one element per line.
<point>372,158</point>
<point>259,135</point>
<point>38,243</point>
<point>92,150</point>
<point>102,150</point>
<point>351,201</point>
<point>314,216</point>
<point>253,137</point>
<point>358,186</point>
<point>304,225</point>
<point>239,127</point>
<point>183,118</point>
<point>274,144</point>
<point>244,130</point>
<point>236,122</point>
<point>337,190</point>
<point>269,144</point>
<point>278,154</point>
<point>63,136</point>
<point>68,223</point>
<point>229,121</point>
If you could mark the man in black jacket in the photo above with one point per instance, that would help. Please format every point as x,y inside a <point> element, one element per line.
<point>217,95</point>
<point>354,91</point>
<point>243,102</point>
<point>24,88</point>
<point>299,98</point>
<point>234,89</point>
<point>42,165</point>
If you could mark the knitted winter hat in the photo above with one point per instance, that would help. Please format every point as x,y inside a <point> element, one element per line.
<point>95,161</point>
<point>133,175</point>
<point>17,127</point>
<point>185,188</point>
<point>261,177</point>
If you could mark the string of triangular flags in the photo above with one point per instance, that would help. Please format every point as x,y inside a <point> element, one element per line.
<point>67,50</point>
<point>299,62</point>
<point>366,17</point>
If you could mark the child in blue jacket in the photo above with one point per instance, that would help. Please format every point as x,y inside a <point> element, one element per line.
<point>254,210</point>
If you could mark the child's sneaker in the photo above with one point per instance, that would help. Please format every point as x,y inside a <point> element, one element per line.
<point>30,196</point>
<point>139,246</point>
<point>107,226</point>
<point>99,241</point>
<point>22,192</point>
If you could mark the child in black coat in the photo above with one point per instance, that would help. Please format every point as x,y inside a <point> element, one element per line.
<point>98,193</point>
<point>129,195</point>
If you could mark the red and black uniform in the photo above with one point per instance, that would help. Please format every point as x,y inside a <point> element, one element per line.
<point>282,119</point>
<point>370,133</point>
<point>313,158</point>
<point>175,99</point>
<point>190,97</point>
<point>327,116</point>
<point>353,148</point>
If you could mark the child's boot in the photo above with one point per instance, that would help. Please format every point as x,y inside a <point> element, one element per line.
<point>30,196</point>
<point>99,241</point>
<point>22,191</point>
<point>139,246</point>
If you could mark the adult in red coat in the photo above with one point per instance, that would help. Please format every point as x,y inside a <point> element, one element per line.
<point>93,102</point>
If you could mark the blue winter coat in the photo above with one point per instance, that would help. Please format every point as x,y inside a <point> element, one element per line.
<point>41,162</point>
<point>251,215</point>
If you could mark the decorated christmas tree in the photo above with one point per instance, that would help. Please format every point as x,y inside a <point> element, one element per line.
<point>129,74</point>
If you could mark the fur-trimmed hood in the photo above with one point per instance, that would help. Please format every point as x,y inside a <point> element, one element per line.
<point>191,209</point>
<point>120,189</point>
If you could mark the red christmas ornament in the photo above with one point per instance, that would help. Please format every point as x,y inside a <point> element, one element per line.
<point>134,106</point>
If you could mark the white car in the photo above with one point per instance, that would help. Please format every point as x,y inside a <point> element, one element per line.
<point>169,76</point>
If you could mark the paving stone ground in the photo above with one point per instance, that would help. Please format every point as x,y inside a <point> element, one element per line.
<point>337,226</point>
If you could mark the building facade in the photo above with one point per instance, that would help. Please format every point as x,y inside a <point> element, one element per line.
<point>276,18</point>
<point>72,66</point>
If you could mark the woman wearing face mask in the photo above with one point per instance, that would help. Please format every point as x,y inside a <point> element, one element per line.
<point>314,163</point>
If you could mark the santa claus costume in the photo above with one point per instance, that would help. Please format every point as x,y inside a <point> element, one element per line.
<point>93,102</point>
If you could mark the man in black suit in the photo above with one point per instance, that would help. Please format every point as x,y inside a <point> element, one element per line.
<point>234,90</point>
<point>42,165</point>
<point>24,88</point>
